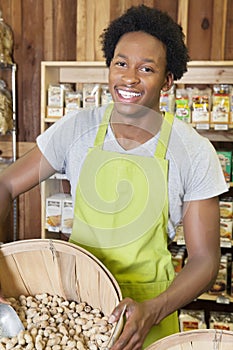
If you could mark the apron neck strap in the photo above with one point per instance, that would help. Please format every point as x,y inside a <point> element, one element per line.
<point>99,140</point>
<point>161,148</point>
<point>163,140</point>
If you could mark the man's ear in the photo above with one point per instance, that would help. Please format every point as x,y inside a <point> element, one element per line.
<point>169,82</point>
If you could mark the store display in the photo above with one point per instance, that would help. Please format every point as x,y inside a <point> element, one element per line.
<point>182,107</point>
<point>201,107</point>
<point>204,108</point>
<point>221,320</point>
<point>55,95</point>
<point>221,104</point>
<point>67,215</point>
<point>178,255</point>
<point>106,96</point>
<point>167,100</point>
<point>91,95</point>
<point>220,285</point>
<point>191,319</point>
<point>201,101</point>
<point>73,100</point>
<point>54,211</point>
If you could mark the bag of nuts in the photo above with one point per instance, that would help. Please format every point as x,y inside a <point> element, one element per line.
<point>6,114</point>
<point>6,42</point>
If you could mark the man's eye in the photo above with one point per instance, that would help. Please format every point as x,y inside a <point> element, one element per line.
<point>120,64</point>
<point>146,69</point>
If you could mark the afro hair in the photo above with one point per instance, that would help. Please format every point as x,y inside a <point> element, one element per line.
<point>155,23</point>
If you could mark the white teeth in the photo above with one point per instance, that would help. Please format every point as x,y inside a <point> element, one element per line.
<point>128,94</point>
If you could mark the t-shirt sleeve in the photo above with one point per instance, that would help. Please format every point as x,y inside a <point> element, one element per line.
<point>55,141</point>
<point>205,177</point>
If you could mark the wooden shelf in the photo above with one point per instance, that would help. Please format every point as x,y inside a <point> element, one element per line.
<point>210,297</point>
<point>208,72</point>
<point>217,135</point>
<point>224,244</point>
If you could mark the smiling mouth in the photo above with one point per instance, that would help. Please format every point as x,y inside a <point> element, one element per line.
<point>128,94</point>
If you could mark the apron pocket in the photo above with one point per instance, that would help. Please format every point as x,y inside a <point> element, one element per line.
<point>143,291</point>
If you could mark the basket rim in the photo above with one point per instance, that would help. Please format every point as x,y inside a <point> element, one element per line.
<point>181,337</point>
<point>33,245</point>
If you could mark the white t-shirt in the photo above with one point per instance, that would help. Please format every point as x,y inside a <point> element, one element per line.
<point>194,169</point>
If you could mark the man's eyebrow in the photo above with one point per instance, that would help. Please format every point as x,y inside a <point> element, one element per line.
<point>119,55</point>
<point>146,60</point>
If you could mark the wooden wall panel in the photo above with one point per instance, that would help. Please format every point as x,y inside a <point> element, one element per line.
<point>200,17</point>
<point>29,221</point>
<point>171,7</point>
<point>81,29</point>
<point>29,66</point>
<point>183,17</point>
<point>64,33</point>
<point>92,18</point>
<point>48,32</point>
<point>218,30</point>
<point>229,32</point>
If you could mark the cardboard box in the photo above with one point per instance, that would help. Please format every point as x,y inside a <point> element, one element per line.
<point>225,158</point>
<point>54,212</point>
<point>55,96</point>
<point>67,215</point>
<point>55,112</point>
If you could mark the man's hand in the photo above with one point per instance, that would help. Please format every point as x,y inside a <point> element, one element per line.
<point>2,299</point>
<point>139,320</point>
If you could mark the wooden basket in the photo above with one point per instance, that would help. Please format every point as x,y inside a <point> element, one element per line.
<point>37,266</point>
<point>207,339</point>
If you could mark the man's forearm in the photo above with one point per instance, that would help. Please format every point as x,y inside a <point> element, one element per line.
<point>6,202</point>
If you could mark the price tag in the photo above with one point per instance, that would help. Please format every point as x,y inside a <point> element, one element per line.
<point>180,241</point>
<point>202,126</point>
<point>221,127</point>
<point>225,243</point>
<point>53,229</point>
<point>221,299</point>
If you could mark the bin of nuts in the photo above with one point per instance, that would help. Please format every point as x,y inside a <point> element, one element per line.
<point>62,294</point>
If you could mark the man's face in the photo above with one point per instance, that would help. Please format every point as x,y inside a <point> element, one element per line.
<point>138,72</point>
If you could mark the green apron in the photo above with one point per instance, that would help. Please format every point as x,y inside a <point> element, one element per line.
<point>121,216</point>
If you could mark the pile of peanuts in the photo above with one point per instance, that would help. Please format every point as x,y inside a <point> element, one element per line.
<point>53,323</point>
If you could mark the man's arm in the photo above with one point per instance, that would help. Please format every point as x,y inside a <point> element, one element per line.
<point>27,172</point>
<point>201,222</point>
<point>201,229</point>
